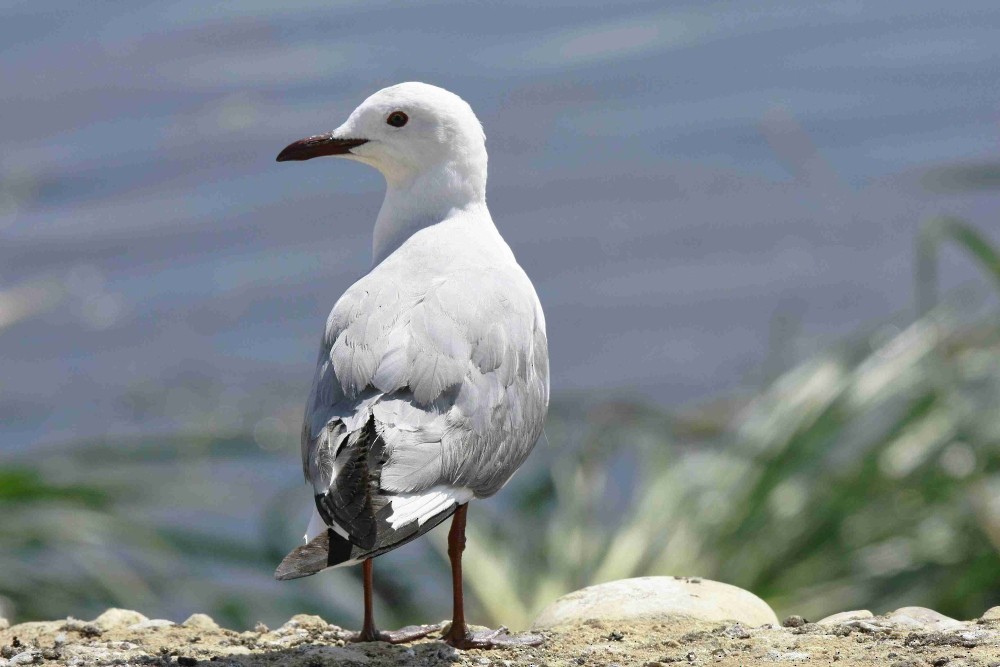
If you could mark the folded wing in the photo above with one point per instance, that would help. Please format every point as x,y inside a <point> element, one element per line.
<point>428,392</point>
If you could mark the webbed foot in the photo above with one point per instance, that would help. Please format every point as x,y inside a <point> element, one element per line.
<point>405,634</point>
<point>486,639</point>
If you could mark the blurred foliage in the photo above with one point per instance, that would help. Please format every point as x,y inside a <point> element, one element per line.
<point>933,235</point>
<point>963,177</point>
<point>865,477</point>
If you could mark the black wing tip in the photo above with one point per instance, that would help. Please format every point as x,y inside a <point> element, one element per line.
<point>325,550</point>
<point>285,574</point>
<point>306,560</point>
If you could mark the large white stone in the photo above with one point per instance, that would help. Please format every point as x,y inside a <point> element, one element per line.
<point>657,598</point>
<point>922,618</point>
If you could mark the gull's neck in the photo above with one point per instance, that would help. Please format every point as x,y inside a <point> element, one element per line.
<point>413,203</point>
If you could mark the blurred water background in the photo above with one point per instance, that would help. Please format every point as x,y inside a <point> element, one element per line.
<point>720,206</point>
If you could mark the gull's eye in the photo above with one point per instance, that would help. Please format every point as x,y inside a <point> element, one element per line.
<point>397,119</point>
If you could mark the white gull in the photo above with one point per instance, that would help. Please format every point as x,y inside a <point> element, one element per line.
<point>432,382</point>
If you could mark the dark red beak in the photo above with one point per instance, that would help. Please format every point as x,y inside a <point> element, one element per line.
<point>318,146</point>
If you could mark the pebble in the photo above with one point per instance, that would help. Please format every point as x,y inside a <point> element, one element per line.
<point>39,627</point>
<point>152,624</point>
<point>4,623</point>
<point>204,622</point>
<point>24,658</point>
<point>844,616</point>
<point>302,621</point>
<point>334,655</point>
<point>736,631</point>
<point>115,618</point>
<point>992,614</point>
<point>791,656</point>
<point>657,598</point>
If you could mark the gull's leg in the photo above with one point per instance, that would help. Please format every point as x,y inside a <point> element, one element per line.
<point>369,633</point>
<point>459,635</point>
<point>459,631</point>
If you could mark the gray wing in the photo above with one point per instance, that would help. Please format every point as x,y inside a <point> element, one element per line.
<point>423,398</point>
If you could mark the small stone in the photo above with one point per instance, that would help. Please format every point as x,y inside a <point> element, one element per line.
<point>992,614</point>
<point>59,639</point>
<point>793,621</point>
<point>33,628</point>
<point>334,655</point>
<point>973,639</point>
<point>24,658</point>
<point>4,623</point>
<point>656,599</point>
<point>152,624</point>
<point>736,631</point>
<point>260,628</point>
<point>304,622</point>
<point>201,622</point>
<point>448,654</point>
<point>791,656</point>
<point>922,618</point>
<point>90,630</point>
<point>116,618</point>
<point>844,616</point>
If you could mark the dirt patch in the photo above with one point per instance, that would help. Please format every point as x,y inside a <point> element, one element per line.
<point>309,641</point>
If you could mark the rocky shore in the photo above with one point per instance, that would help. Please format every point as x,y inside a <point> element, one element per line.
<point>648,622</point>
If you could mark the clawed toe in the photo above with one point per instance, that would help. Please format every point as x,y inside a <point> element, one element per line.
<point>410,633</point>
<point>487,639</point>
<point>401,636</point>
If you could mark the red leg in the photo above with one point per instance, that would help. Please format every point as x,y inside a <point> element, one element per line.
<point>369,633</point>
<point>458,635</point>
<point>456,545</point>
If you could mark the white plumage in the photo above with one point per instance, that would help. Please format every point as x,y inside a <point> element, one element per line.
<point>432,380</point>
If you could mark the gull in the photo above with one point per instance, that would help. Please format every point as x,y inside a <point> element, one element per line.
<point>432,382</point>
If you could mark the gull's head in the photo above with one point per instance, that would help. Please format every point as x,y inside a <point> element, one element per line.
<point>407,131</point>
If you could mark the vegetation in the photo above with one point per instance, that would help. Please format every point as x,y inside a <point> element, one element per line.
<point>866,477</point>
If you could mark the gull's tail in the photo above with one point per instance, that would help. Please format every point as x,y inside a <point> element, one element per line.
<point>328,548</point>
<point>325,550</point>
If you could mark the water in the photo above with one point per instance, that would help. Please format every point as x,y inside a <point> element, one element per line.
<point>671,178</point>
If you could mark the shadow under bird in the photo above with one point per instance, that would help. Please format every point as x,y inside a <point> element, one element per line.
<point>432,382</point>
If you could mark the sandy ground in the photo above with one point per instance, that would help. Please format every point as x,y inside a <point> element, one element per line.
<point>128,638</point>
